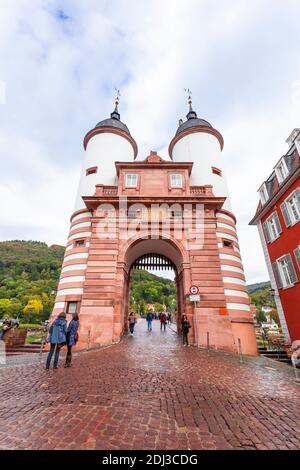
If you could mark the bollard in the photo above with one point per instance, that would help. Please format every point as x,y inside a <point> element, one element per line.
<point>240,350</point>
<point>207,340</point>
<point>43,342</point>
<point>88,340</point>
<point>296,371</point>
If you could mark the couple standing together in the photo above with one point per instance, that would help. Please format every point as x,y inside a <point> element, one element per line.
<point>61,334</point>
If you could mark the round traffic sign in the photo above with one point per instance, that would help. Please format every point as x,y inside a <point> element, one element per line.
<point>194,290</point>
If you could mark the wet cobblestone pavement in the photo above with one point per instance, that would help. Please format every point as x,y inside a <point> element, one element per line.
<point>150,392</point>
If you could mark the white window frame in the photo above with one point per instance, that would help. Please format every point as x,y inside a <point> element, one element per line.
<point>297,256</point>
<point>272,226</point>
<point>285,274</point>
<point>296,206</point>
<point>263,194</point>
<point>180,180</point>
<point>281,170</point>
<point>129,184</point>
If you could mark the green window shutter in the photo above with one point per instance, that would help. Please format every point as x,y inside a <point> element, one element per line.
<point>292,271</point>
<point>277,275</point>
<point>286,215</point>
<point>277,222</point>
<point>297,256</point>
<point>267,232</point>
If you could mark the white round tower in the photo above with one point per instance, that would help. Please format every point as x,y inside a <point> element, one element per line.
<point>198,142</point>
<point>109,142</point>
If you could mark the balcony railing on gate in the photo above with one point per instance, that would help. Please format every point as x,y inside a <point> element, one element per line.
<point>102,190</point>
<point>205,190</point>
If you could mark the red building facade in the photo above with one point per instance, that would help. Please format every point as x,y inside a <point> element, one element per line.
<point>278,221</point>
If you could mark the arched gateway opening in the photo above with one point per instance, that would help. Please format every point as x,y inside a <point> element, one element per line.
<point>152,255</point>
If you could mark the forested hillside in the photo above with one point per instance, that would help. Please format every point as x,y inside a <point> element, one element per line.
<point>29,273</point>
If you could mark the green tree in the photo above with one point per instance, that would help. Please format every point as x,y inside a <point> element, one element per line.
<point>4,306</point>
<point>32,310</point>
<point>260,315</point>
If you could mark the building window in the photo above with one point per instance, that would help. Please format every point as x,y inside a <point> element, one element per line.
<point>284,272</point>
<point>90,171</point>
<point>72,307</point>
<point>131,180</point>
<point>297,256</point>
<point>79,243</point>
<point>281,171</point>
<point>263,194</point>
<point>291,208</point>
<point>272,228</point>
<point>176,180</point>
<point>227,243</point>
<point>216,171</point>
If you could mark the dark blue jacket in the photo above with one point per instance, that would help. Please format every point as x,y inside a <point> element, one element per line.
<point>58,331</point>
<point>149,316</point>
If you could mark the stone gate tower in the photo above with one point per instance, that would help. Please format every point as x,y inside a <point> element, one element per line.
<point>174,210</point>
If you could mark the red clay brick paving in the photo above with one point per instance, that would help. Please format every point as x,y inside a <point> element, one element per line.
<point>150,392</point>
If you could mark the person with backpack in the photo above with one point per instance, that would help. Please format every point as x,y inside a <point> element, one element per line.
<point>72,338</point>
<point>163,320</point>
<point>132,322</point>
<point>149,318</point>
<point>57,339</point>
<point>185,326</point>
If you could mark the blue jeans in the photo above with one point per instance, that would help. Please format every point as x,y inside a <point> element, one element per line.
<point>131,327</point>
<point>56,348</point>
<point>149,325</point>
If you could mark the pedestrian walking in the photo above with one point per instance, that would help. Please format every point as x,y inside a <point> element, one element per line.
<point>163,321</point>
<point>72,338</point>
<point>185,326</point>
<point>149,318</point>
<point>57,339</point>
<point>132,322</point>
<point>169,318</point>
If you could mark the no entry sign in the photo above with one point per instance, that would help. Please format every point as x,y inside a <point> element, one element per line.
<point>194,290</point>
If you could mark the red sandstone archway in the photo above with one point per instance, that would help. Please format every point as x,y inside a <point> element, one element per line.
<point>172,250</point>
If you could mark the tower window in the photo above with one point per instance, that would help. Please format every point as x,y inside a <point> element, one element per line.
<point>131,180</point>
<point>176,180</point>
<point>216,171</point>
<point>72,307</point>
<point>90,171</point>
<point>227,243</point>
<point>79,243</point>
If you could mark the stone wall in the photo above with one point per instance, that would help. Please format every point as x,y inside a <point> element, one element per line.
<point>15,338</point>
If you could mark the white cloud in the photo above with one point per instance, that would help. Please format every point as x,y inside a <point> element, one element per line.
<point>61,60</point>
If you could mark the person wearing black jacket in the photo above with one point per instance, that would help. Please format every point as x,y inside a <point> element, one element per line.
<point>185,326</point>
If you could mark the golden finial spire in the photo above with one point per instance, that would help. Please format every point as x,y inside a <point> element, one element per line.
<point>115,114</point>
<point>117,98</point>
<point>191,114</point>
<point>189,100</point>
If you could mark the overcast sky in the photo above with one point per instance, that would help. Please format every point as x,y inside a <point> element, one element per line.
<point>61,59</point>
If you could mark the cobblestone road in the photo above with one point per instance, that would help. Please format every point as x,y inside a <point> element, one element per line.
<point>150,392</point>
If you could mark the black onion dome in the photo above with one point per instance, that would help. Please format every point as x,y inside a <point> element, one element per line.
<point>114,121</point>
<point>192,121</point>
